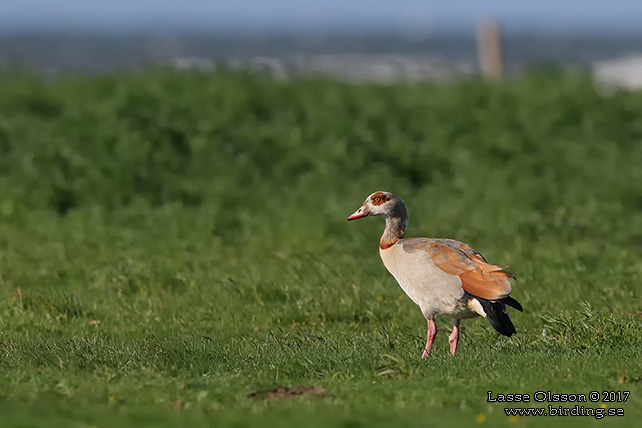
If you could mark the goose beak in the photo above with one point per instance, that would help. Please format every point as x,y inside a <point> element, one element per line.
<point>361,212</point>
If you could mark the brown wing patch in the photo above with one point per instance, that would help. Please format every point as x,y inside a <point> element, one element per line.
<point>487,281</point>
<point>448,259</point>
<point>478,277</point>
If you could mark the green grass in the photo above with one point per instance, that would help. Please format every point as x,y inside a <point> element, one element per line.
<point>171,243</point>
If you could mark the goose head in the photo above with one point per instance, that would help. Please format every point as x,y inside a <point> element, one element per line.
<point>380,204</point>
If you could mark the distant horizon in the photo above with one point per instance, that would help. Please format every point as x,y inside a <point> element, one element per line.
<point>339,31</point>
<point>418,18</point>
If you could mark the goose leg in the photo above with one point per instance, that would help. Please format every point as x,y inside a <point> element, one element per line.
<point>453,339</point>
<point>430,339</point>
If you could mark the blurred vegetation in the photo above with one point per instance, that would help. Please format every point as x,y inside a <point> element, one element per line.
<point>164,137</point>
<point>178,240</point>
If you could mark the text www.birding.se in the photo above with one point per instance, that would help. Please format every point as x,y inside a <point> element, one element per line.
<point>597,413</point>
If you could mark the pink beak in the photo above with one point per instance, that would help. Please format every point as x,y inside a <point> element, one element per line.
<point>361,212</point>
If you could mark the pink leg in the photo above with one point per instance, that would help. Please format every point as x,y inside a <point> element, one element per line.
<point>453,339</point>
<point>432,332</point>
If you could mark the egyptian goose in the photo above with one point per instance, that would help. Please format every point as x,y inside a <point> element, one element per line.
<point>442,276</point>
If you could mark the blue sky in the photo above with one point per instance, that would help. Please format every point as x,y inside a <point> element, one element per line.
<point>115,15</point>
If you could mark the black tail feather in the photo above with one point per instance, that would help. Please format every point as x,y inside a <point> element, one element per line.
<point>514,303</point>
<point>498,316</point>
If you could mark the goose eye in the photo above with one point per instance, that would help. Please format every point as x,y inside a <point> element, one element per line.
<point>377,199</point>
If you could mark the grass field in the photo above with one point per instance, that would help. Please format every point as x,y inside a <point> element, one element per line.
<point>172,243</point>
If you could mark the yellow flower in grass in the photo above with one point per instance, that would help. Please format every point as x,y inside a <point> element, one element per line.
<point>513,419</point>
<point>481,418</point>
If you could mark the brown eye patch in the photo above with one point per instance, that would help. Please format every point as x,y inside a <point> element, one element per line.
<point>379,198</point>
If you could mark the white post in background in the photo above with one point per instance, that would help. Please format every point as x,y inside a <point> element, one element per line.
<point>489,50</point>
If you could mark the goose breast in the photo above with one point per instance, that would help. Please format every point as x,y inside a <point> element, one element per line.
<point>435,291</point>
